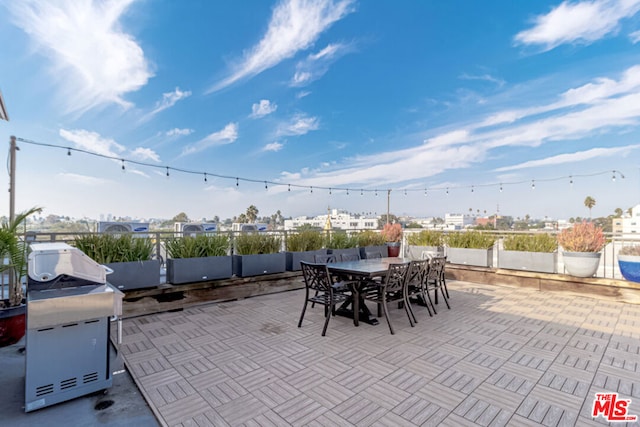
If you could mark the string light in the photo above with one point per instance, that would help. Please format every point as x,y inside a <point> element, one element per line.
<point>361,192</point>
<point>570,181</point>
<point>266,187</point>
<point>447,191</point>
<point>533,184</point>
<point>123,164</point>
<point>329,190</point>
<point>347,191</point>
<point>167,171</point>
<point>289,189</point>
<point>376,193</point>
<point>472,188</point>
<point>237,182</point>
<point>425,192</point>
<point>501,187</point>
<point>405,192</point>
<point>205,177</point>
<point>68,151</point>
<point>311,189</point>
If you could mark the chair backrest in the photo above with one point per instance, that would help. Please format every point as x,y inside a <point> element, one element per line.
<point>349,257</point>
<point>396,277</point>
<point>417,271</point>
<point>325,259</point>
<point>373,255</point>
<point>316,276</point>
<point>436,268</point>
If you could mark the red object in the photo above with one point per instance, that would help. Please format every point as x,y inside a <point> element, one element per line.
<point>393,251</point>
<point>12,325</point>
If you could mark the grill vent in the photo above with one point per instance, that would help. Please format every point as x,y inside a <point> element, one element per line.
<point>71,382</point>
<point>89,378</point>
<point>44,389</point>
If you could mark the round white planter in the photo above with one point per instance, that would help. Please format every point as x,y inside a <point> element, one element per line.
<point>581,264</point>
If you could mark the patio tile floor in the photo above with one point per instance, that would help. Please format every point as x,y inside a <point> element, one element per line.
<point>500,356</point>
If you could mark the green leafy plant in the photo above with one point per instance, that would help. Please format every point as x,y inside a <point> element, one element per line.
<point>540,242</point>
<point>630,250</point>
<point>109,248</point>
<point>198,246</point>
<point>306,240</point>
<point>257,243</point>
<point>13,254</point>
<point>370,238</point>
<point>470,240</point>
<point>582,237</point>
<point>340,240</point>
<point>392,232</point>
<point>426,238</point>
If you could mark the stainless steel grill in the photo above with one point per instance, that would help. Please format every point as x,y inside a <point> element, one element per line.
<point>69,309</point>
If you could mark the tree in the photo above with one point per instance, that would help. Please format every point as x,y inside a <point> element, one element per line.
<point>383,220</point>
<point>589,202</point>
<point>242,218</point>
<point>618,212</point>
<point>252,213</point>
<point>181,217</point>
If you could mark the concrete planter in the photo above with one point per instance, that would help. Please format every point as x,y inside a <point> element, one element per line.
<point>12,324</point>
<point>543,262</point>
<point>190,270</point>
<point>629,267</point>
<point>581,264</point>
<point>415,252</point>
<point>255,265</point>
<point>339,252</point>
<point>135,274</point>
<point>367,251</point>
<point>477,257</point>
<point>293,258</point>
<point>393,248</point>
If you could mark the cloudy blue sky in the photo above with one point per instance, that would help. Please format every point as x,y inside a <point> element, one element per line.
<point>444,103</point>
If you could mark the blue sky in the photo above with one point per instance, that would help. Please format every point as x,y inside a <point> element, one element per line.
<point>459,98</point>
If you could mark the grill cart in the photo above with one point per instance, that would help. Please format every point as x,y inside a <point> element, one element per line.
<point>69,309</point>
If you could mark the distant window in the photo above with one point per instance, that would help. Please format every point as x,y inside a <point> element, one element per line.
<point>353,224</point>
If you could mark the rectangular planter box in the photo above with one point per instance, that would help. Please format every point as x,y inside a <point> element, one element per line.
<point>189,270</point>
<point>135,274</point>
<point>382,250</point>
<point>477,257</point>
<point>415,252</point>
<point>255,265</point>
<point>294,258</point>
<point>542,262</point>
<point>339,252</point>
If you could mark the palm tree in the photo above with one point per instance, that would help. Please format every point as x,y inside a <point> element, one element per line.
<point>252,213</point>
<point>589,202</point>
<point>14,251</point>
<point>618,212</point>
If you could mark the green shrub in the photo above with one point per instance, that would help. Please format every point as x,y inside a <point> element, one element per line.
<point>542,242</point>
<point>257,243</point>
<point>370,238</point>
<point>470,240</point>
<point>198,246</point>
<point>109,248</point>
<point>340,240</point>
<point>306,240</point>
<point>426,238</point>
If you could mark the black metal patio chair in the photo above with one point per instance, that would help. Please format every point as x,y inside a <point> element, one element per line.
<point>349,257</point>
<point>392,288</point>
<point>416,285</point>
<point>435,280</point>
<point>324,259</point>
<point>319,282</point>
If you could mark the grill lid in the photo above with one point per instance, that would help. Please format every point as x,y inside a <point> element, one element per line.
<point>50,260</point>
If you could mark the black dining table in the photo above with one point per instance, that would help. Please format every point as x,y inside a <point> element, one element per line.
<point>359,273</point>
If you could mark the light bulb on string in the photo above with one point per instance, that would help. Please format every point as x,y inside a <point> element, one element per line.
<point>425,192</point>
<point>167,171</point>
<point>613,178</point>
<point>266,187</point>
<point>289,189</point>
<point>237,182</point>
<point>405,192</point>
<point>68,151</point>
<point>122,164</point>
<point>205,177</point>
<point>329,191</point>
<point>311,190</point>
<point>533,184</point>
<point>472,188</point>
<point>347,191</point>
<point>570,181</point>
<point>501,187</point>
<point>447,191</point>
<point>361,192</point>
<point>376,193</point>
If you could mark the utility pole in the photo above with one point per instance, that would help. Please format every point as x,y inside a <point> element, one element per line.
<point>388,203</point>
<point>12,178</point>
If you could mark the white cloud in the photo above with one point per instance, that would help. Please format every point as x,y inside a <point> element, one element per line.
<point>299,125</point>
<point>483,77</point>
<point>145,154</point>
<point>572,157</point>
<point>273,146</point>
<point>635,37</point>
<point>179,132</point>
<point>317,64</point>
<point>578,22</point>
<point>168,100</point>
<point>295,25</point>
<point>263,108</point>
<point>94,60</point>
<point>302,94</point>
<point>83,179</point>
<point>225,136</point>
<point>92,142</point>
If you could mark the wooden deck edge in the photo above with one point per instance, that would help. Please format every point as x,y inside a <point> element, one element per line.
<point>597,287</point>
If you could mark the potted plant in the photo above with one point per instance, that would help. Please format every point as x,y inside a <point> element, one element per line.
<point>303,245</point>
<point>392,234</point>
<point>258,253</point>
<point>581,246</point>
<point>198,258</point>
<point>371,244</point>
<point>629,262</point>
<point>340,243</point>
<point>470,248</point>
<point>529,252</point>
<point>13,262</point>
<point>429,241</point>
<point>130,258</point>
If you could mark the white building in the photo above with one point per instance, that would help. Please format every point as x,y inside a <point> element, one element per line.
<point>339,219</point>
<point>458,221</point>
<point>631,223</point>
